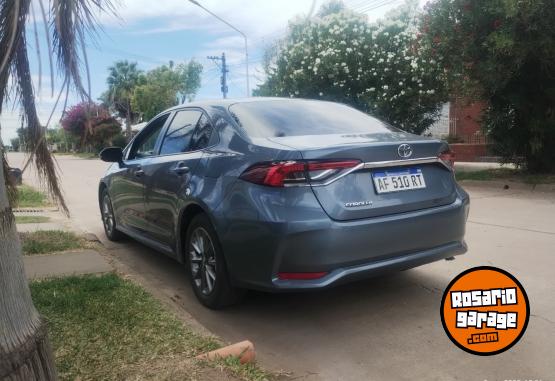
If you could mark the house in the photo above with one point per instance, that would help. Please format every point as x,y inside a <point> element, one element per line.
<point>460,124</point>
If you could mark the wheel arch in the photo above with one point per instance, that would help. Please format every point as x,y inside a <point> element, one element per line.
<point>186,215</point>
<point>101,188</point>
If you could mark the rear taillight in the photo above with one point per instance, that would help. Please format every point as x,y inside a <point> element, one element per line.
<point>448,158</point>
<point>290,173</point>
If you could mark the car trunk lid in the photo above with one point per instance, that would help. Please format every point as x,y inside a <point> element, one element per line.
<point>354,194</point>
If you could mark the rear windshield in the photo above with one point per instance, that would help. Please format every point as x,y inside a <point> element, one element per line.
<point>265,119</point>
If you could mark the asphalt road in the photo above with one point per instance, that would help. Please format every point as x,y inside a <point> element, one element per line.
<point>383,328</point>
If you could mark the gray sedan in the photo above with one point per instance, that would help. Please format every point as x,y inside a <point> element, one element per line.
<point>282,194</point>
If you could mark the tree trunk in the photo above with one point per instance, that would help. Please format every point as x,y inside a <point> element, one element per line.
<point>128,122</point>
<point>25,351</point>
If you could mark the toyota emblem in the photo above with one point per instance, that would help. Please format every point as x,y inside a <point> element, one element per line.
<point>404,151</point>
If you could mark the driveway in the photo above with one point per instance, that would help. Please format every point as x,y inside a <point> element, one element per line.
<point>383,328</point>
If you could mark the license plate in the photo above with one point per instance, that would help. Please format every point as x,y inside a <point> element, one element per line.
<point>398,180</point>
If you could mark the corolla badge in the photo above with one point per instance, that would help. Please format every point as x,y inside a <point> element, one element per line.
<point>404,151</point>
<point>358,203</point>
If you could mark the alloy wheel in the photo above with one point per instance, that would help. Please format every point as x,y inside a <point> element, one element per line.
<point>203,261</point>
<point>107,215</point>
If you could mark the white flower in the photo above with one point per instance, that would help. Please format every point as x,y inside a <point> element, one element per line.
<point>317,61</point>
<point>385,87</point>
<point>321,94</point>
<point>401,83</point>
<point>372,89</point>
<point>343,64</point>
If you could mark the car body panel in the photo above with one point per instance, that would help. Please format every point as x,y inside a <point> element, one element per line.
<point>265,230</point>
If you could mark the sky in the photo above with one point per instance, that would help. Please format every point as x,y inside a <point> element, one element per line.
<point>153,32</point>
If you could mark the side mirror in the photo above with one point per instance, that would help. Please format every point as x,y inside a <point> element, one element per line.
<point>112,155</point>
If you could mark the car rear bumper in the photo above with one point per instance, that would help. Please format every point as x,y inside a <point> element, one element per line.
<point>306,240</point>
<point>374,268</point>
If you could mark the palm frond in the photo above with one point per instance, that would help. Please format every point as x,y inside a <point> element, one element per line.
<point>12,22</point>
<point>49,46</point>
<point>10,184</point>
<point>36,142</point>
<point>72,19</point>
<point>9,23</point>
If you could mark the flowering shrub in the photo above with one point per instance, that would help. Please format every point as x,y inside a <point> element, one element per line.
<point>378,67</point>
<point>502,52</point>
<point>92,123</point>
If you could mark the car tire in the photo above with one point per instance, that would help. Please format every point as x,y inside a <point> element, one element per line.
<point>206,266</point>
<point>109,218</point>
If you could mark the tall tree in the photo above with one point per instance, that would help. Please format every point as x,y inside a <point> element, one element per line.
<point>378,67</point>
<point>166,86</point>
<point>122,80</point>
<point>502,52</point>
<point>25,352</point>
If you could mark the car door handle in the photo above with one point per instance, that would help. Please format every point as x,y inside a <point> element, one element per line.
<point>181,168</point>
<point>139,172</point>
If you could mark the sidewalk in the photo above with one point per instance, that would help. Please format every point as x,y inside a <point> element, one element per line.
<point>78,262</point>
<point>477,166</point>
<point>64,264</point>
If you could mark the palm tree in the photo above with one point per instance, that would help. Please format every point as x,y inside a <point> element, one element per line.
<point>25,352</point>
<point>122,79</point>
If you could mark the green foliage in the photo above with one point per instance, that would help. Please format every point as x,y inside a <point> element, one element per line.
<point>29,197</point>
<point>123,78</point>
<point>49,241</point>
<point>119,141</point>
<point>503,52</point>
<point>31,219</point>
<point>378,68</point>
<point>107,328</point>
<point>15,144</point>
<point>63,139</point>
<point>166,86</point>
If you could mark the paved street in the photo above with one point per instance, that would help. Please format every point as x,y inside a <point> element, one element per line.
<point>384,328</point>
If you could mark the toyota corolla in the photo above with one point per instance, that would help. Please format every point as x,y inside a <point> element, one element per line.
<point>282,194</point>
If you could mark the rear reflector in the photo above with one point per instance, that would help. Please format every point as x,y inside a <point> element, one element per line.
<point>280,174</point>
<point>301,276</point>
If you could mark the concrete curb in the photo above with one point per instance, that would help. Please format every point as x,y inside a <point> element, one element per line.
<point>243,350</point>
<point>506,185</point>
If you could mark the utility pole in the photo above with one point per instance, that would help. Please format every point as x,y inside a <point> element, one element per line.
<point>224,72</point>
<point>195,2</point>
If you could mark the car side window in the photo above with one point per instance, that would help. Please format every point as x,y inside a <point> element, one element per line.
<point>202,134</point>
<point>180,131</point>
<point>145,143</point>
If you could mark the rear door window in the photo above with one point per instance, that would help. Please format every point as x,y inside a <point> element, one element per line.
<point>203,133</point>
<point>179,133</point>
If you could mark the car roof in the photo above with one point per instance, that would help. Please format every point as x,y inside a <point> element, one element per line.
<point>229,102</point>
